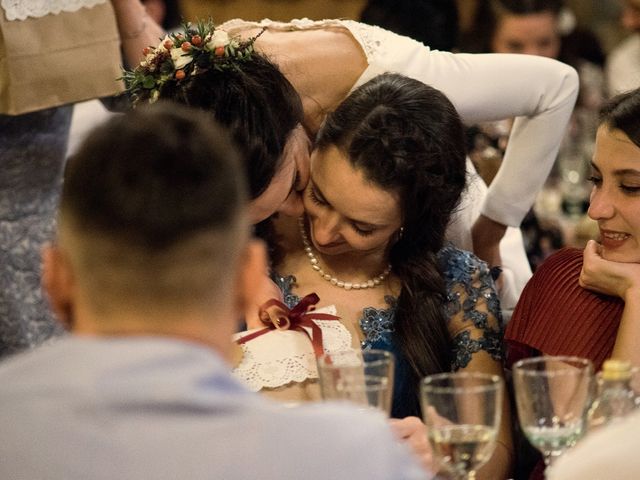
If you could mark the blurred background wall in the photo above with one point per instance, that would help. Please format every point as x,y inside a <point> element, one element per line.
<point>222,10</point>
<point>599,15</point>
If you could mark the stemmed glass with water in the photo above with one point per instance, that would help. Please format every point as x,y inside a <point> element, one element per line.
<point>363,377</point>
<point>462,412</point>
<point>553,394</point>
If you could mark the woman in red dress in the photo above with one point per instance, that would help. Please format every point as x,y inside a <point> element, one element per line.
<point>587,303</point>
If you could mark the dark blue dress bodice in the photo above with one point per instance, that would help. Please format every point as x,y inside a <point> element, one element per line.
<point>468,281</point>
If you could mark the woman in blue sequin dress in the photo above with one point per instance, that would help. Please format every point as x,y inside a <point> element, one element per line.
<point>387,172</point>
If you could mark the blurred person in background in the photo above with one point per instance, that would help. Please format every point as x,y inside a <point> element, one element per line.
<point>623,63</point>
<point>544,28</point>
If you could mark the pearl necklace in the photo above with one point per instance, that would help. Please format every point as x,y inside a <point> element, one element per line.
<point>315,264</point>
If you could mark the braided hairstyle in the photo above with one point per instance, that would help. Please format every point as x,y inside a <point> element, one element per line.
<point>408,138</point>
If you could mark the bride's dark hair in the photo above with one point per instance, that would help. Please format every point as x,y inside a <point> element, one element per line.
<point>257,104</point>
<point>408,138</point>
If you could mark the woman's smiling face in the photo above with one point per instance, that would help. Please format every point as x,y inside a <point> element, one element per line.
<point>347,213</point>
<point>615,197</point>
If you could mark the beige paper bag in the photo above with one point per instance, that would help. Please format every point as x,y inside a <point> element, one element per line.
<point>58,59</point>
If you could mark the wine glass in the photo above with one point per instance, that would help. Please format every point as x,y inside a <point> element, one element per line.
<point>462,412</point>
<point>635,384</point>
<point>553,394</point>
<point>364,377</point>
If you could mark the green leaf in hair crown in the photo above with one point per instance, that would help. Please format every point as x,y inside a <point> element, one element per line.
<point>178,56</point>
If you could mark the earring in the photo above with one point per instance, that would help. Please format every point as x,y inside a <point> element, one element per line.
<point>400,232</point>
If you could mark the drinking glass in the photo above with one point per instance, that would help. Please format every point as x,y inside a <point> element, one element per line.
<point>364,377</point>
<point>635,384</point>
<point>553,394</point>
<point>462,412</point>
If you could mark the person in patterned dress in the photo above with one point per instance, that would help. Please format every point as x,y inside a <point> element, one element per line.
<point>32,152</point>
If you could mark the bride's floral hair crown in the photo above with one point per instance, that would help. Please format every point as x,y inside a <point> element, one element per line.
<point>183,54</point>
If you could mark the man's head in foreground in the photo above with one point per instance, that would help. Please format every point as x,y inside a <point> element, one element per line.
<point>153,236</point>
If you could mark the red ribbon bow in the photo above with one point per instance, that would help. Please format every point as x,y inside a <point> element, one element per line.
<point>295,318</point>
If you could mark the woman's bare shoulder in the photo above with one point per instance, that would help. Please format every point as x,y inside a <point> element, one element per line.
<point>323,64</point>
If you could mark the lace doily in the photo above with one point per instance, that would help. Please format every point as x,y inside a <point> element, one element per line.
<point>22,9</point>
<point>237,25</point>
<point>284,356</point>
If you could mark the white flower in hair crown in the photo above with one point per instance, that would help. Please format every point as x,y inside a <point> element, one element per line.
<point>184,54</point>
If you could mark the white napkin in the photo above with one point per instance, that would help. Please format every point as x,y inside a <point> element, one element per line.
<point>280,357</point>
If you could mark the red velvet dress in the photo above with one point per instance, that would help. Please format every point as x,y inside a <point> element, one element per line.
<point>555,316</point>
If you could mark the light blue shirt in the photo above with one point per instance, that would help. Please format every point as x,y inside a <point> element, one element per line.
<point>157,408</point>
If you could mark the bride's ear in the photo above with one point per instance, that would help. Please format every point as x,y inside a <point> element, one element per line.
<point>58,283</point>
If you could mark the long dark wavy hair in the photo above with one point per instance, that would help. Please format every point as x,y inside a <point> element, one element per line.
<point>407,137</point>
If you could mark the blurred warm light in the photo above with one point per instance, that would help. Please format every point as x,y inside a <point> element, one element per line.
<point>222,10</point>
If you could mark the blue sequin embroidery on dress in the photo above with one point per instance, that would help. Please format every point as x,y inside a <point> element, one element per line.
<point>377,323</point>
<point>463,272</point>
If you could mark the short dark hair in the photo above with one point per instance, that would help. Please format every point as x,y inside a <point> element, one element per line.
<point>622,112</point>
<point>150,199</point>
<point>154,175</point>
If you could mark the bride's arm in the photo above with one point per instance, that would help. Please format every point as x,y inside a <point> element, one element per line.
<point>487,87</point>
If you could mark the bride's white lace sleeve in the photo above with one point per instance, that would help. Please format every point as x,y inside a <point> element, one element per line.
<point>484,87</point>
